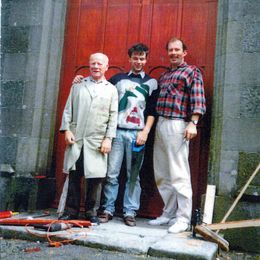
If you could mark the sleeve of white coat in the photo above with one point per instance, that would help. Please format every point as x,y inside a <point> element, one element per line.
<point>67,113</point>
<point>113,113</point>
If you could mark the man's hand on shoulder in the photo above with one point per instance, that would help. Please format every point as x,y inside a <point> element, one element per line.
<point>77,79</point>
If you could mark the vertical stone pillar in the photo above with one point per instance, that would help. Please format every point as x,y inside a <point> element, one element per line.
<point>235,131</point>
<point>32,43</point>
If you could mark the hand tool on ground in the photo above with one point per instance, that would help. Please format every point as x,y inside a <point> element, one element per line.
<point>7,214</point>
<point>31,222</point>
<point>53,227</point>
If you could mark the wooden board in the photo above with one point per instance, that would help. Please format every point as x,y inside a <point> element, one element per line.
<point>210,235</point>
<point>235,224</point>
<point>209,204</point>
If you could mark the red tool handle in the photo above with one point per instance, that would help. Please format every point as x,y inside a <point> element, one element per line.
<point>31,222</point>
<point>6,214</point>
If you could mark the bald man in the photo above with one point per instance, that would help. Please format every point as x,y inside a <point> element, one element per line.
<point>89,123</point>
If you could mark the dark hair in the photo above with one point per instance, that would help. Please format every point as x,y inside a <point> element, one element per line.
<point>139,47</point>
<point>174,39</point>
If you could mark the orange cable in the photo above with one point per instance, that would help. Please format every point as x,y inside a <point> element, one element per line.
<point>48,234</point>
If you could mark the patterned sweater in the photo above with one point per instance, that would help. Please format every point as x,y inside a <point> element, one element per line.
<point>137,96</point>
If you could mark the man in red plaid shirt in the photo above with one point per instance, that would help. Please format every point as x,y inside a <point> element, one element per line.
<point>180,104</point>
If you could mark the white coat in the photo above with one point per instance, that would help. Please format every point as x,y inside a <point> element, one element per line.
<point>91,114</point>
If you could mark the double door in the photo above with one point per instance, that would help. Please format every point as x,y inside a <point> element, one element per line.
<point>112,26</point>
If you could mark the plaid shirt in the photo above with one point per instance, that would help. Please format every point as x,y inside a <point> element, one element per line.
<point>181,93</point>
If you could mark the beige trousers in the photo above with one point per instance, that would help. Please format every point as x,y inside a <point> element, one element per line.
<point>171,169</point>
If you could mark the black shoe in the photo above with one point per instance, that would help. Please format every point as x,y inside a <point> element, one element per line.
<point>68,217</point>
<point>130,221</point>
<point>93,219</point>
<point>104,217</point>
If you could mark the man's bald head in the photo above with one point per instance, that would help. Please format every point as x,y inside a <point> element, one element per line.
<point>98,65</point>
<point>100,56</point>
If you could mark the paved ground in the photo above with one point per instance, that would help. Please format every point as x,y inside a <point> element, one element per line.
<point>18,249</point>
<point>14,249</point>
<point>123,242</point>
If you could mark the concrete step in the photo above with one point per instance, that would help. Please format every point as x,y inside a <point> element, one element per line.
<point>142,239</point>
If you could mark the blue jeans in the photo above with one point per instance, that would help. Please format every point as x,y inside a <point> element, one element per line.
<point>122,145</point>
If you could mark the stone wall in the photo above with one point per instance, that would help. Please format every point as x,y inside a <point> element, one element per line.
<point>32,40</point>
<point>235,135</point>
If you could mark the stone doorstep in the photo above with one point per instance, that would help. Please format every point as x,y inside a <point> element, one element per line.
<point>140,240</point>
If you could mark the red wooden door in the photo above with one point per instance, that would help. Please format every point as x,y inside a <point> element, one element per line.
<point>112,26</point>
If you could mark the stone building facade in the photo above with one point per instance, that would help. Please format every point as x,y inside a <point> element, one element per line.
<point>32,35</point>
<point>235,135</point>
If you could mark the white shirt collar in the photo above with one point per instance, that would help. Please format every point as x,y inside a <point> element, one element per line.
<point>142,73</point>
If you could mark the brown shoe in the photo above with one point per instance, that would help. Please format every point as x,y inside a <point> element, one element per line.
<point>130,221</point>
<point>104,217</point>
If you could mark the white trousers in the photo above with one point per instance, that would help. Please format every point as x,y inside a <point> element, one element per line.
<point>171,169</point>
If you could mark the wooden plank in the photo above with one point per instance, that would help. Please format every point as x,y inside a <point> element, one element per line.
<point>210,235</point>
<point>209,204</point>
<point>235,224</point>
